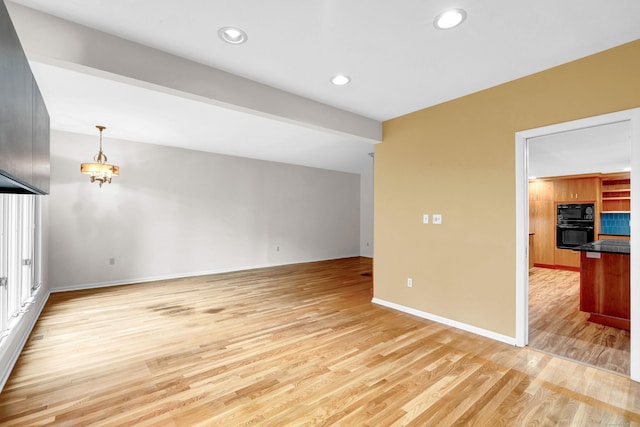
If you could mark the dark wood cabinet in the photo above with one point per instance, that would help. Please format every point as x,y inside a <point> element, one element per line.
<point>605,288</point>
<point>24,121</point>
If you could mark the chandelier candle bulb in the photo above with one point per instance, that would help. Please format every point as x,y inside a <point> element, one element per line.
<point>100,170</point>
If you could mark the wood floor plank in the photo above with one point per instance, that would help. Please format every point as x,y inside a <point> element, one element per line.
<point>290,345</point>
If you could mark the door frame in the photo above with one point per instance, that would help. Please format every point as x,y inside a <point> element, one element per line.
<point>522,221</point>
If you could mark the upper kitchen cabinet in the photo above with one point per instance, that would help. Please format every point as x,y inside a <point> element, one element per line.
<point>41,157</point>
<point>616,192</point>
<point>24,121</point>
<point>573,190</point>
<point>540,190</point>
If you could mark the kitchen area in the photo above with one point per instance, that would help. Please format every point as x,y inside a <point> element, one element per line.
<point>579,234</point>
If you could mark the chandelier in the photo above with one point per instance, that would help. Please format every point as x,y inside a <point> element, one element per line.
<point>100,171</point>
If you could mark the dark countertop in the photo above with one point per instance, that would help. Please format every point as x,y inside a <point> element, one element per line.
<point>606,246</point>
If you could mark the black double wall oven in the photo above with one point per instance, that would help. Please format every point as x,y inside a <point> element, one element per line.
<point>575,225</point>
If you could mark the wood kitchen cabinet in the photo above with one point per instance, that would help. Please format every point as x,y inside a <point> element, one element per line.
<point>576,190</point>
<point>539,191</point>
<point>567,259</point>
<point>573,190</point>
<point>542,221</point>
<point>608,192</point>
<point>605,288</point>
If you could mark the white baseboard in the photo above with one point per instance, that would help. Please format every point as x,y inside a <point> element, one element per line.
<point>132,281</point>
<point>459,325</point>
<point>21,334</point>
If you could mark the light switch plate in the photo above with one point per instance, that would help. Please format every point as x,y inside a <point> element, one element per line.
<point>437,219</point>
<point>425,219</point>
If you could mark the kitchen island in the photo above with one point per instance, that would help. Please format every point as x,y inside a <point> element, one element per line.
<point>605,282</point>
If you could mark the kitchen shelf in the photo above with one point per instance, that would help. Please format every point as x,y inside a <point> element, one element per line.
<point>622,190</point>
<point>615,193</point>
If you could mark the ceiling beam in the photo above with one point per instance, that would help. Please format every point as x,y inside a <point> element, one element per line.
<point>55,41</point>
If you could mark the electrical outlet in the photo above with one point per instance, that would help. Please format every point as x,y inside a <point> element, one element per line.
<point>437,219</point>
<point>409,282</point>
<point>425,219</point>
<point>112,261</point>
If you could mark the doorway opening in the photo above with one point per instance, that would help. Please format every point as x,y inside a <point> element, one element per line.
<point>630,120</point>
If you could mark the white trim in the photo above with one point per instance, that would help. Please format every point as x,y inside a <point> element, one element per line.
<point>443,320</point>
<point>25,331</point>
<point>635,247</point>
<point>522,244</point>
<point>522,284</point>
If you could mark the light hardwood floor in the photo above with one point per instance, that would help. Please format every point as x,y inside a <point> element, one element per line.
<point>557,326</point>
<point>293,345</point>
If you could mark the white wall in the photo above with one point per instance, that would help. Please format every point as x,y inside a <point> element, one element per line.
<point>175,212</point>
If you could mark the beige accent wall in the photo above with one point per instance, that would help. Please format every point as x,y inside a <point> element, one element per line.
<point>458,159</point>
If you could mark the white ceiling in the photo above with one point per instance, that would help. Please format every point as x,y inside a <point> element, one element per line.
<point>597,149</point>
<point>397,60</point>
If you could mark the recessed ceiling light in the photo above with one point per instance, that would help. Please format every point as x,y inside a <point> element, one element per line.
<point>450,18</point>
<point>232,35</point>
<point>340,79</point>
